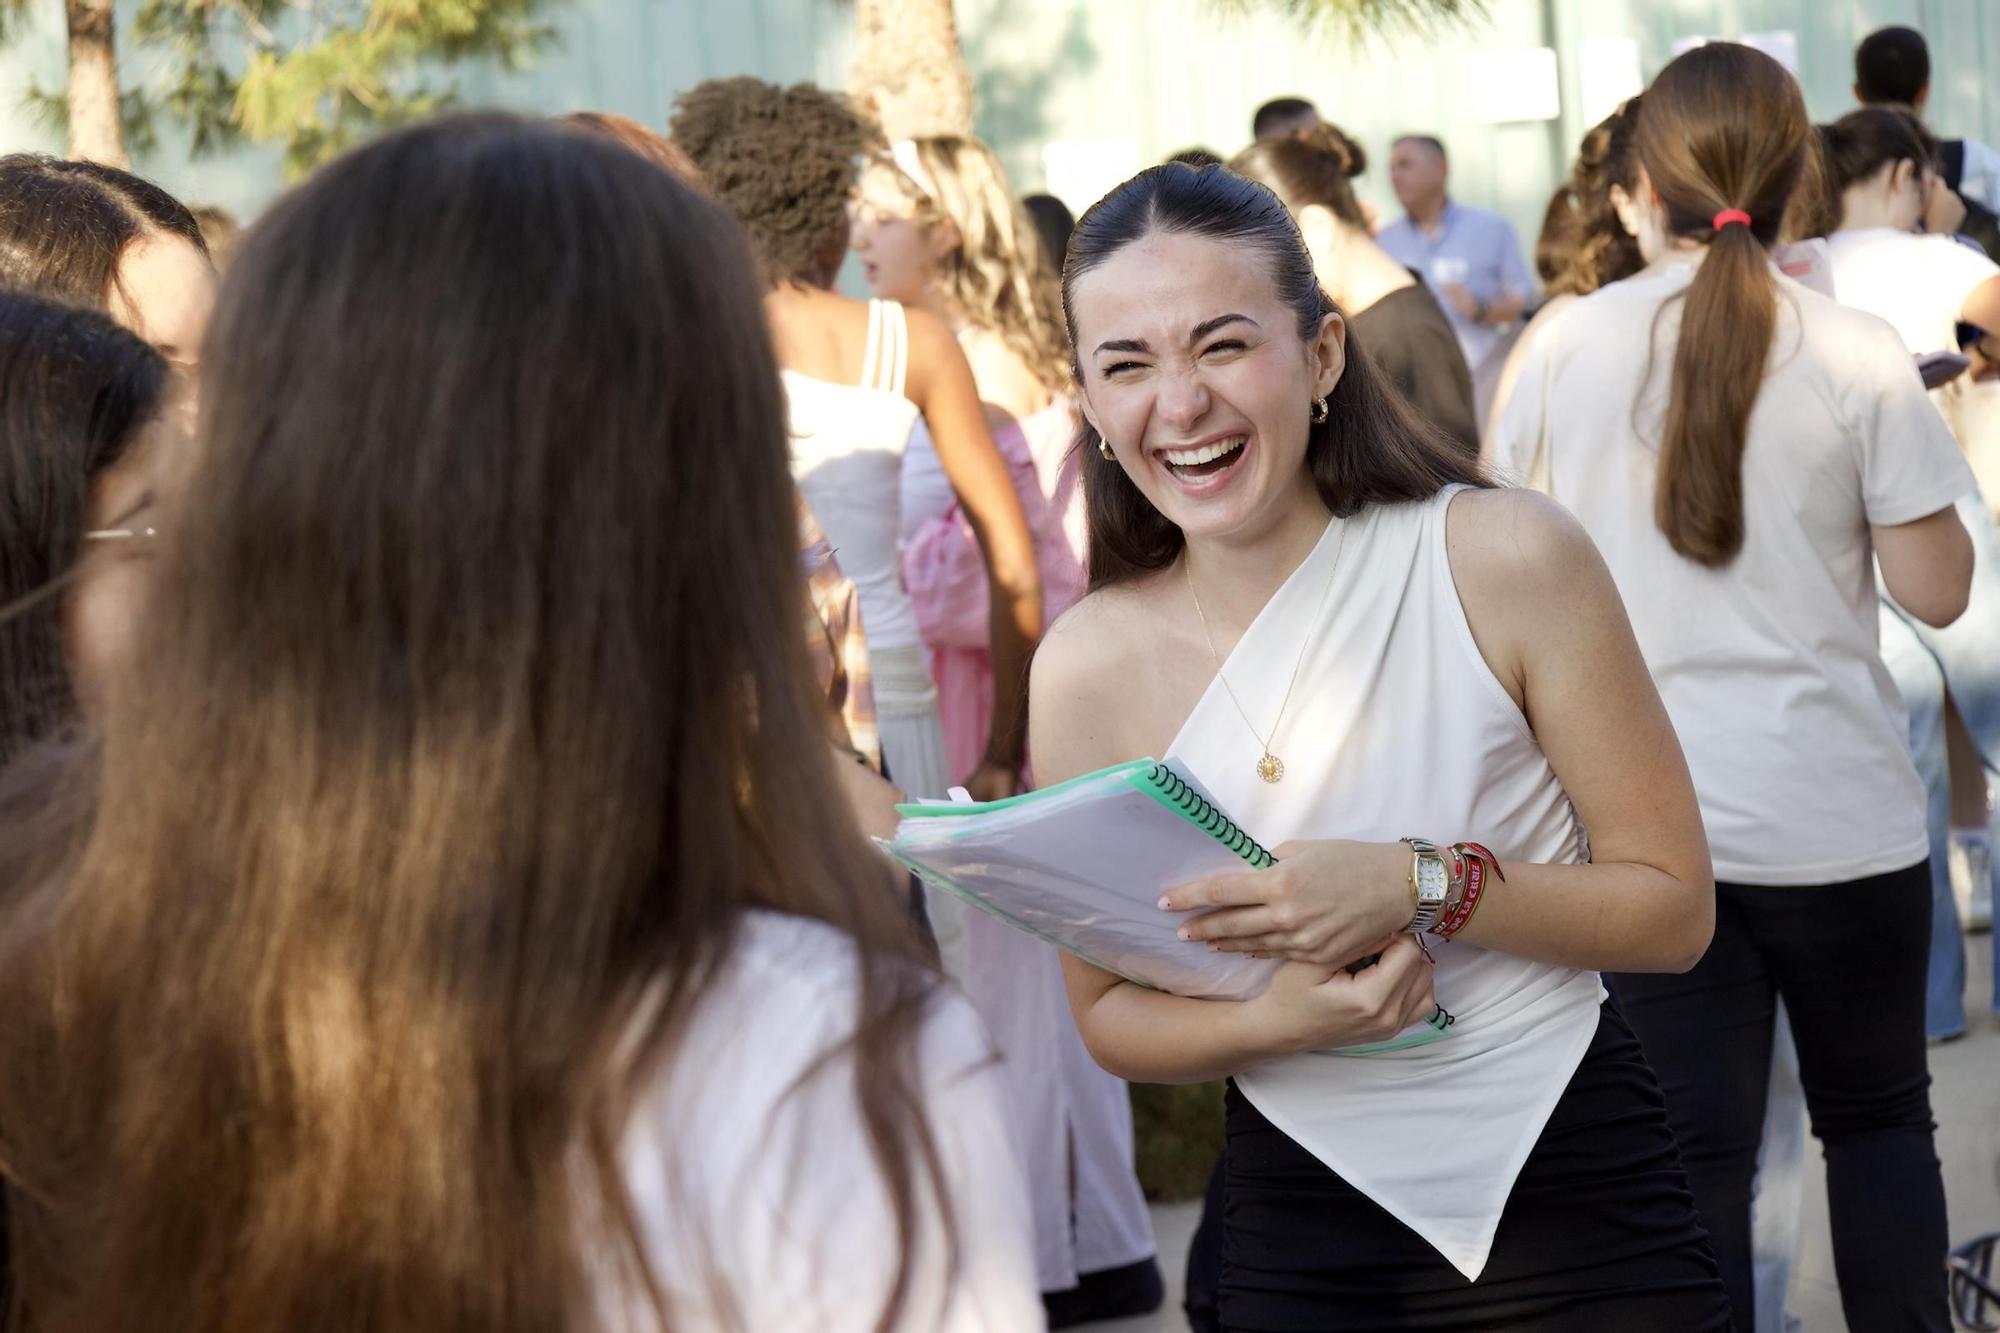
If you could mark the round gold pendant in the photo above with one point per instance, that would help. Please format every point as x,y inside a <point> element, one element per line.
<point>1270,767</point>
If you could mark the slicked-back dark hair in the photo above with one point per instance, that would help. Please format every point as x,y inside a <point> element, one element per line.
<point>74,390</point>
<point>1892,65</point>
<point>1372,448</point>
<point>65,225</point>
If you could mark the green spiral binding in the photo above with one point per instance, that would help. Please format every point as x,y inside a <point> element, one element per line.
<point>1211,820</point>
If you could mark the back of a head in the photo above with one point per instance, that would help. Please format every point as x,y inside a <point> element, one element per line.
<point>1556,243</point>
<point>1309,167</point>
<point>1892,65</point>
<point>1723,130</point>
<point>784,161</point>
<point>1861,143</point>
<point>1000,275</point>
<point>1596,250</point>
<point>650,144</point>
<point>74,390</point>
<point>1281,115</point>
<point>480,624</point>
<point>1372,447</point>
<point>1055,222</point>
<point>64,225</point>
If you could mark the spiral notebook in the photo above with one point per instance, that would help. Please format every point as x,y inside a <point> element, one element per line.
<point>1083,864</point>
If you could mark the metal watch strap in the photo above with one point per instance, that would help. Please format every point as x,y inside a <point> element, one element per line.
<point>1430,883</point>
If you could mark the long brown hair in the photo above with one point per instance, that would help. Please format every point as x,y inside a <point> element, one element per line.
<point>476,719</point>
<point>1723,127</point>
<point>1372,448</point>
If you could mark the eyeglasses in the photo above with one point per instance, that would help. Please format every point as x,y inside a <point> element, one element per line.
<point>143,539</point>
<point>1975,1299</point>
<point>121,534</point>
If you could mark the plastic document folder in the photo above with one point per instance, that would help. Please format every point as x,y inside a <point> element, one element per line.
<point>1083,865</point>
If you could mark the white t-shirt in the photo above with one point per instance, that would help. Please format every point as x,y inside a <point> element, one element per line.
<point>1769,666</point>
<point>750,1168</point>
<point>1918,283</point>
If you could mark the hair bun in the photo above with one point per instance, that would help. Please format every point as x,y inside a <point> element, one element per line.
<point>1326,137</point>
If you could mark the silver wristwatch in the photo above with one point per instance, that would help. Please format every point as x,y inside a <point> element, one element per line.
<point>1430,883</point>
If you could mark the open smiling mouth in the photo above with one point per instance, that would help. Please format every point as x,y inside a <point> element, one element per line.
<point>1208,460</point>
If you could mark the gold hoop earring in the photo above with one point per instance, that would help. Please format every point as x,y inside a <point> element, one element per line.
<point>1104,448</point>
<point>1320,411</point>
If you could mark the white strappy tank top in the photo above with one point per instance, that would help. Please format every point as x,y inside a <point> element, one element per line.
<point>847,457</point>
<point>1398,728</point>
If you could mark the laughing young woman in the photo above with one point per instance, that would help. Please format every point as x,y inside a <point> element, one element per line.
<point>1324,614</point>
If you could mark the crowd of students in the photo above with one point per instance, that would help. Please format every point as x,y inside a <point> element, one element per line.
<point>449,672</point>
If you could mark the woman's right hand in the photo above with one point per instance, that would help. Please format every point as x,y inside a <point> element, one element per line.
<point>1312,1008</point>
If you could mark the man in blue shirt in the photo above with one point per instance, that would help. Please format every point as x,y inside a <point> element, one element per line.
<point>1469,257</point>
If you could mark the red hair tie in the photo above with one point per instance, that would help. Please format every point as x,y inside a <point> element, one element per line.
<point>1729,215</point>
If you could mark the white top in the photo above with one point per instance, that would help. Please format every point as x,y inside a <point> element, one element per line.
<point>753,1179</point>
<point>1398,727</point>
<point>1918,283</point>
<point>847,457</point>
<point>1769,666</point>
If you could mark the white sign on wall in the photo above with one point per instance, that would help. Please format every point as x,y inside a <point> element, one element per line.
<point>1516,85</point>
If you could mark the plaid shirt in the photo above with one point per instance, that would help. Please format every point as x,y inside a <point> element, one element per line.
<point>840,653</point>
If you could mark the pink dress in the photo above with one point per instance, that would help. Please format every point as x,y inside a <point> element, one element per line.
<point>946,575</point>
<point>1072,1121</point>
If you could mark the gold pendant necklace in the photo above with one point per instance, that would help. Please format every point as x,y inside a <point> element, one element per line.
<point>1270,768</point>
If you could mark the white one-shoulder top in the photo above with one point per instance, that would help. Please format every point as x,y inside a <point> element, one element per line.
<point>1398,728</point>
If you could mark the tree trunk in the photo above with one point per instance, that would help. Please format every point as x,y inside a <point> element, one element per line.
<point>96,129</point>
<point>908,67</point>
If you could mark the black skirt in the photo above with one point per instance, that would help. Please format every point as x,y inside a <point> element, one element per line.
<point>1600,1232</point>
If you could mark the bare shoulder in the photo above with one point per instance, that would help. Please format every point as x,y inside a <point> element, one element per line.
<point>931,339</point>
<point>1083,711</point>
<point>1004,379</point>
<point>1529,580</point>
<point>1510,540</point>
<point>1093,641</point>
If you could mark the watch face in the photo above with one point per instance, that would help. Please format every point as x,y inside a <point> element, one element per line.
<point>1431,879</point>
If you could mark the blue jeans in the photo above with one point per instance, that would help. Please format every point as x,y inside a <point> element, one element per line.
<point>1964,659</point>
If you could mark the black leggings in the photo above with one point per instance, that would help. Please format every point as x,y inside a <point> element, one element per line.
<point>1850,961</point>
<point>1599,1234</point>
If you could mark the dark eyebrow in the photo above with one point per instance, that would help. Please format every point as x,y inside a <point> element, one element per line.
<point>1208,326</point>
<point>1200,331</point>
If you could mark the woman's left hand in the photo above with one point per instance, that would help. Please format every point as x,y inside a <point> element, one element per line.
<point>1323,902</point>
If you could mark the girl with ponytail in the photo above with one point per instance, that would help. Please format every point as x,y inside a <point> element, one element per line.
<point>1744,451</point>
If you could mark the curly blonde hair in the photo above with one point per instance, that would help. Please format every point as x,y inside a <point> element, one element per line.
<point>1000,278</point>
<point>784,160</point>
